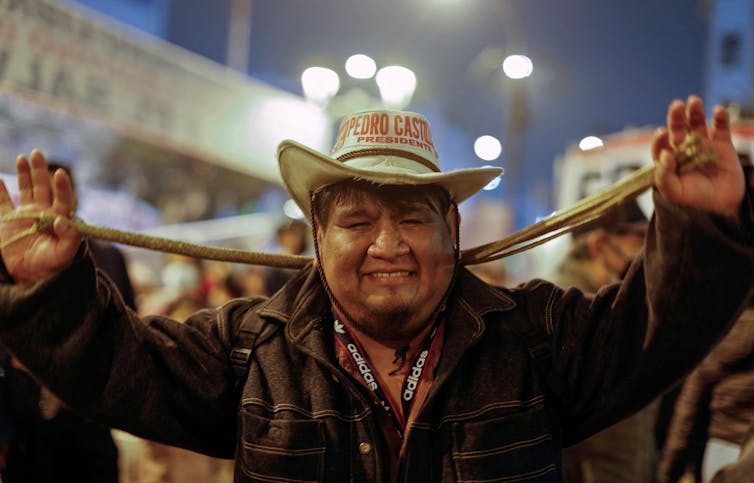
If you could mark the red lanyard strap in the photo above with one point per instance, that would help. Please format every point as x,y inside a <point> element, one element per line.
<point>361,361</point>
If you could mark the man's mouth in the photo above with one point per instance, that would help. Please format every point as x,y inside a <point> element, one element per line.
<point>387,275</point>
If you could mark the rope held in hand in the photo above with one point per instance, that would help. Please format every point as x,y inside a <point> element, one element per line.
<point>690,155</point>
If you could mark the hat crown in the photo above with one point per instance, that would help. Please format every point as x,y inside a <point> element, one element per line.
<point>381,135</point>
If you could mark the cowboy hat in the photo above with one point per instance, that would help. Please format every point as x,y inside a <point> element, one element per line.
<point>381,146</point>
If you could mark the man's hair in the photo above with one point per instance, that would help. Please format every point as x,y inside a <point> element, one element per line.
<point>395,197</point>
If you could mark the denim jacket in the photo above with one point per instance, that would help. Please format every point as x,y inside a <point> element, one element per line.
<point>523,371</point>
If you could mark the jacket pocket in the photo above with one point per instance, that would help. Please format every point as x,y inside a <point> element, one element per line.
<point>277,450</point>
<point>515,447</point>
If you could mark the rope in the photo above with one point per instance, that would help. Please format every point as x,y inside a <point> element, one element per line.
<point>691,154</point>
<point>43,223</point>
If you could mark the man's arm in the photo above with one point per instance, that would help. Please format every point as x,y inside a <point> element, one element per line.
<point>154,377</point>
<point>614,352</point>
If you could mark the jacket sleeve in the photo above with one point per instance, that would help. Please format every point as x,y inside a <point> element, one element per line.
<point>615,351</point>
<point>154,377</point>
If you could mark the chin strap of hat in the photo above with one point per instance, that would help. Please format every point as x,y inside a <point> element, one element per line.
<point>691,154</point>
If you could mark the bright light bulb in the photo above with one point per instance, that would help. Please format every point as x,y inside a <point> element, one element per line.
<point>320,84</point>
<point>517,66</point>
<point>487,147</point>
<point>590,142</point>
<point>360,66</point>
<point>397,85</point>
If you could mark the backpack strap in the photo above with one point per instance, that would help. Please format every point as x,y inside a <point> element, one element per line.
<point>539,345</point>
<point>251,331</point>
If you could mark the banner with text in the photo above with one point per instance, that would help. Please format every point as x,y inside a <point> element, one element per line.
<point>78,62</point>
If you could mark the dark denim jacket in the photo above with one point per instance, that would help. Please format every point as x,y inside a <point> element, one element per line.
<point>493,413</point>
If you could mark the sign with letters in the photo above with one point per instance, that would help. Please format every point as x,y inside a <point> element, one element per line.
<point>74,61</point>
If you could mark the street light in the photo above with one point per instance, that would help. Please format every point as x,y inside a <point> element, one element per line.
<point>397,84</point>
<point>360,66</point>
<point>517,66</point>
<point>320,84</point>
<point>487,148</point>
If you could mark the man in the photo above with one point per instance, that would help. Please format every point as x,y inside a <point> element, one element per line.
<point>390,362</point>
<point>600,253</point>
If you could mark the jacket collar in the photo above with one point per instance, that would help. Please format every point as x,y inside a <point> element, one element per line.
<point>303,303</point>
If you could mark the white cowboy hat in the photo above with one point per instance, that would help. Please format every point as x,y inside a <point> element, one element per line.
<point>381,146</point>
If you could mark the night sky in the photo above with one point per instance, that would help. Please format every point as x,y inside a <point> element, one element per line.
<point>599,65</point>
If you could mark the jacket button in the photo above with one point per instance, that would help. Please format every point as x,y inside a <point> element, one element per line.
<point>365,448</point>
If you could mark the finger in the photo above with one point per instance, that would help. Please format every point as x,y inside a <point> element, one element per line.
<point>69,238</point>
<point>40,179</point>
<point>695,115</point>
<point>6,204</point>
<point>676,120</point>
<point>25,193</point>
<point>720,124</point>
<point>63,204</point>
<point>661,141</point>
<point>666,178</point>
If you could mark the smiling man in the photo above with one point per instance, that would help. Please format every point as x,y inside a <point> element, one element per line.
<point>385,359</point>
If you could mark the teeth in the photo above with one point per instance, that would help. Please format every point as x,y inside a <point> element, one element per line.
<point>390,274</point>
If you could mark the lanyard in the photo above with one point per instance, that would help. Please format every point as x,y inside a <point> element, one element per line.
<point>361,361</point>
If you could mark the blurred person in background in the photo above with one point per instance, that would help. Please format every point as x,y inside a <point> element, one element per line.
<point>292,237</point>
<point>181,277</point>
<point>600,253</point>
<point>385,359</point>
<point>716,405</point>
<point>51,442</point>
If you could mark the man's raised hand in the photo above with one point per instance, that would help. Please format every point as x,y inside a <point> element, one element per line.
<point>717,188</point>
<point>35,256</point>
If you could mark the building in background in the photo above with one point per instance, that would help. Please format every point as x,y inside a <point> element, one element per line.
<point>730,54</point>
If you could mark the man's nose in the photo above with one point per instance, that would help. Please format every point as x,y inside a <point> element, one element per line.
<point>388,242</point>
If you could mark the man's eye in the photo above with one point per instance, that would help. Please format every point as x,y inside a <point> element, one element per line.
<point>412,221</point>
<point>357,224</point>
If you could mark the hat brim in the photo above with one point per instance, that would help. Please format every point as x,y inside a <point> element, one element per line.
<point>305,170</point>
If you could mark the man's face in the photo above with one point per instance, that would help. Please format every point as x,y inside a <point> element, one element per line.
<point>388,267</point>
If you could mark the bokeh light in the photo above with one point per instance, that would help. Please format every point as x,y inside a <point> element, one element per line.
<point>487,147</point>
<point>517,66</point>
<point>360,66</point>
<point>320,84</point>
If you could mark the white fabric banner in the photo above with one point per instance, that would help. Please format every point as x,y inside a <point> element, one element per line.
<point>74,60</point>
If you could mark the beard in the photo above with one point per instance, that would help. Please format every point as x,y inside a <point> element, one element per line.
<point>388,326</point>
